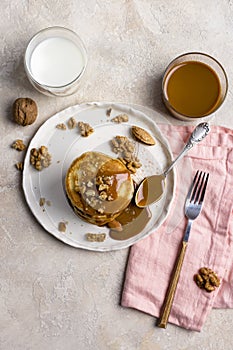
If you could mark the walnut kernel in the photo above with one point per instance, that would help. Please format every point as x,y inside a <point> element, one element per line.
<point>72,123</point>
<point>108,112</point>
<point>85,129</point>
<point>121,118</point>
<point>18,145</point>
<point>19,166</point>
<point>61,126</point>
<point>42,202</point>
<point>40,158</point>
<point>62,226</point>
<point>207,279</point>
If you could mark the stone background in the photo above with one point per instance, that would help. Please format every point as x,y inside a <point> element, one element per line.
<point>53,296</point>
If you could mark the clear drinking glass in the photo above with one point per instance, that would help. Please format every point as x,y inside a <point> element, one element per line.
<point>207,60</point>
<point>55,61</point>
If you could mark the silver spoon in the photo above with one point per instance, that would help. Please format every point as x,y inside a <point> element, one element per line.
<point>151,188</point>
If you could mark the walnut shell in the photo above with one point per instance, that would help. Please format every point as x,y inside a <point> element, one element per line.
<point>24,111</point>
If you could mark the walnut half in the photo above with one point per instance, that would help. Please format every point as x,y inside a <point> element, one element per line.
<point>207,279</point>
<point>18,145</point>
<point>85,129</point>
<point>40,158</point>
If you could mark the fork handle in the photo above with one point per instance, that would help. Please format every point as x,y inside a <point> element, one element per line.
<point>167,305</point>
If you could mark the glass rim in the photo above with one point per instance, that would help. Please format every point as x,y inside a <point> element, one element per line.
<point>84,53</point>
<point>204,55</point>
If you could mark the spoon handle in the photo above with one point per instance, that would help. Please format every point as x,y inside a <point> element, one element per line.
<point>198,134</point>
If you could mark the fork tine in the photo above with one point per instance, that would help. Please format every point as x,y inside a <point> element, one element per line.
<point>191,187</point>
<point>196,185</point>
<point>204,188</point>
<point>200,188</point>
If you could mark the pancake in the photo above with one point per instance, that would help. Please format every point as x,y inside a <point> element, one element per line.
<point>98,187</point>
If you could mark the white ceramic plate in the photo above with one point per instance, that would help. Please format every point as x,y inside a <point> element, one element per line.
<point>66,145</point>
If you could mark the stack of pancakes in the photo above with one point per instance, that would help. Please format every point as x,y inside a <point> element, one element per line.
<point>98,187</point>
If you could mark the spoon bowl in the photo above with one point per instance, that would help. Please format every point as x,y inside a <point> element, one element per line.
<point>151,189</point>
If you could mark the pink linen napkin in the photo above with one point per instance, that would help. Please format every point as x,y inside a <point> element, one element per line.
<point>210,244</point>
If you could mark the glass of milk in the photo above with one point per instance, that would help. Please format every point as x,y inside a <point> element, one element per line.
<point>55,60</point>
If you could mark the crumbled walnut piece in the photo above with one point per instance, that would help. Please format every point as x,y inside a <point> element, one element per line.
<point>122,146</point>
<point>103,187</point>
<point>121,118</point>
<point>85,129</point>
<point>90,193</point>
<point>61,126</point>
<point>40,158</point>
<point>99,180</point>
<point>72,123</point>
<point>42,202</point>
<point>103,184</point>
<point>19,166</point>
<point>62,226</point>
<point>207,279</point>
<point>108,112</point>
<point>142,135</point>
<point>18,145</point>
<point>95,237</point>
<point>103,195</point>
<point>107,180</point>
<point>130,167</point>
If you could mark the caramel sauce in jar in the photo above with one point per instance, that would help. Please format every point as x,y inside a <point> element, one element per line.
<point>193,89</point>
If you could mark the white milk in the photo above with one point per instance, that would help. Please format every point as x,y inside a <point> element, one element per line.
<point>56,62</point>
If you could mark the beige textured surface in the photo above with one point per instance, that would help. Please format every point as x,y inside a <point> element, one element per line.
<point>53,296</point>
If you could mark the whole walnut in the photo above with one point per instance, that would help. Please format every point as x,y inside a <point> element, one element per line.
<point>24,111</point>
